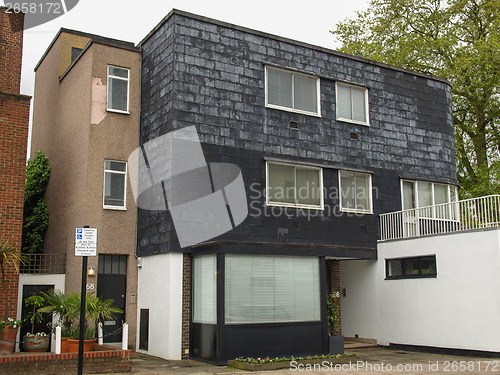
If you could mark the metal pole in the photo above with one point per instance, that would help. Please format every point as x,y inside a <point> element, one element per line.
<point>82,313</point>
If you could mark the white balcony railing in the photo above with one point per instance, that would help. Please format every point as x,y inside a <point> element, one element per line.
<point>475,213</point>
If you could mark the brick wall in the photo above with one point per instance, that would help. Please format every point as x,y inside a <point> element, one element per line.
<point>11,49</point>
<point>186,305</point>
<point>333,284</point>
<point>14,122</point>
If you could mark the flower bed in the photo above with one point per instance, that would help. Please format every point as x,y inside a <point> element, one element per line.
<point>315,362</point>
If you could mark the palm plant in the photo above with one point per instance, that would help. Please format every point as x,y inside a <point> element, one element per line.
<point>8,256</point>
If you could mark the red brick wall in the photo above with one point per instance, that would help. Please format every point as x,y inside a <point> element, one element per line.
<point>11,49</point>
<point>14,122</point>
<point>186,305</point>
<point>333,283</point>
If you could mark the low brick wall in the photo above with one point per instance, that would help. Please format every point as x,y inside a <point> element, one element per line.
<point>105,359</point>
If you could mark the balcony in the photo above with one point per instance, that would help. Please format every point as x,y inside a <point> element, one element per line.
<point>43,264</point>
<point>468,214</point>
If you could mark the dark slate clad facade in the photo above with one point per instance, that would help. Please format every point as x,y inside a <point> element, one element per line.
<point>206,73</point>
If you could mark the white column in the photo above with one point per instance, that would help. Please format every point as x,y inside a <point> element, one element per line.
<point>99,334</point>
<point>58,340</point>
<point>125,336</point>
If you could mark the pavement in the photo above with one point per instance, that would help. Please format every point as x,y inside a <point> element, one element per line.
<point>369,360</point>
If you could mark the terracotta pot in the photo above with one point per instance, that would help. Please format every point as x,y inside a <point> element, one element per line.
<point>88,345</point>
<point>8,340</point>
<point>36,343</point>
<point>64,345</point>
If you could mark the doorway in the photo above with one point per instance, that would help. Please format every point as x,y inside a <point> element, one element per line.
<point>43,325</point>
<point>112,284</point>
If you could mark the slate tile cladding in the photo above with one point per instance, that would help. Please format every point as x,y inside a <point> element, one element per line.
<point>197,71</point>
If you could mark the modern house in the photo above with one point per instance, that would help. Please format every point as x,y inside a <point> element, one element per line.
<point>14,125</point>
<point>86,121</point>
<point>325,143</point>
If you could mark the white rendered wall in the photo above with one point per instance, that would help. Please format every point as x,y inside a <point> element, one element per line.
<point>58,280</point>
<point>160,291</point>
<point>458,309</point>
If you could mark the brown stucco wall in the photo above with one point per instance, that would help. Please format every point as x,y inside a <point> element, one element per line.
<point>76,148</point>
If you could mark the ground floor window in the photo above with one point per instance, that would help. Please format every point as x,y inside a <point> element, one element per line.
<point>271,289</point>
<point>414,267</point>
<point>205,289</point>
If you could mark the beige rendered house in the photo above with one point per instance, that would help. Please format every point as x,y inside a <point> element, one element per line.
<point>86,121</point>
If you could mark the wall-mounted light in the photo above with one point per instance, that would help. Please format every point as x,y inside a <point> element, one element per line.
<point>91,271</point>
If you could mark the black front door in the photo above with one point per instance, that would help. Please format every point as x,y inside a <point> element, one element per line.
<point>112,284</point>
<point>43,326</point>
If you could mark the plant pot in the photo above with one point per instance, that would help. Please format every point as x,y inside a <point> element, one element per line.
<point>8,340</point>
<point>36,343</point>
<point>336,344</point>
<point>64,345</point>
<point>88,345</point>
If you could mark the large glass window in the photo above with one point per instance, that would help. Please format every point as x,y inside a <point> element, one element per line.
<point>352,103</point>
<point>294,185</point>
<point>292,91</point>
<point>409,268</point>
<point>205,289</point>
<point>355,192</point>
<point>271,289</point>
<point>118,89</point>
<point>419,194</point>
<point>115,177</point>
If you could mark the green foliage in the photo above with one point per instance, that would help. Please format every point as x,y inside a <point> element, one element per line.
<point>333,312</point>
<point>35,302</point>
<point>458,40</point>
<point>290,359</point>
<point>36,213</point>
<point>8,256</point>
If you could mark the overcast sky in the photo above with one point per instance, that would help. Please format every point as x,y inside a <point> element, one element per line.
<point>305,21</point>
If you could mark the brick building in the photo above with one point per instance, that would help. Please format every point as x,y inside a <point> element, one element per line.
<point>14,124</point>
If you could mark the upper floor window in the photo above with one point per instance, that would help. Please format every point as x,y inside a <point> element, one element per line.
<point>352,103</point>
<point>294,185</point>
<point>418,194</point>
<point>115,178</point>
<point>409,268</point>
<point>355,192</point>
<point>292,91</point>
<point>75,52</point>
<point>118,89</point>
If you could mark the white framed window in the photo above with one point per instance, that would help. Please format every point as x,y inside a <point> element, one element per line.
<point>118,89</point>
<point>115,184</point>
<point>294,185</point>
<point>352,103</point>
<point>355,192</point>
<point>205,289</point>
<point>271,289</point>
<point>420,194</point>
<point>291,91</point>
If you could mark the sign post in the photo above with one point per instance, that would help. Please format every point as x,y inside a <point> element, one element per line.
<point>85,246</point>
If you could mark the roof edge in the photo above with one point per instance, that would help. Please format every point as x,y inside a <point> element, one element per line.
<point>287,40</point>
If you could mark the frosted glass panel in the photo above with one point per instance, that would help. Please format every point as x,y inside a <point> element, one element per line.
<point>279,87</point>
<point>205,289</point>
<point>362,193</point>
<point>305,93</point>
<point>358,104</point>
<point>440,193</point>
<point>281,183</point>
<point>308,186</point>
<point>424,194</point>
<point>347,189</point>
<point>408,195</point>
<point>344,109</point>
<point>268,289</point>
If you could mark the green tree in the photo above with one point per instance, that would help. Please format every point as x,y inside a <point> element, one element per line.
<point>36,212</point>
<point>458,40</point>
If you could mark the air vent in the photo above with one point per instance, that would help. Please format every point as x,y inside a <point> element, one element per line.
<point>294,125</point>
<point>354,135</point>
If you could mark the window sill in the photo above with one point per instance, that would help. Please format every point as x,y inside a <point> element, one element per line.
<point>412,277</point>
<point>114,208</point>
<point>353,121</point>
<point>286,109</point>
<point>299,206</point>
<point>117,111</point>
<point>356,211</point>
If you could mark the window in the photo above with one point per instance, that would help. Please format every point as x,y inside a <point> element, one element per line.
<point>115,177</point>
<point>408,268</point>
<point>271,289</point>
<point>352,103</point>
<point>294,186</point>
<point>355,192</point>
<point>292,91</point>
<point>112,264</point>
<point>75,52</point>
<point>205,289</point>
<point>118,87</point>
<point>418,194</point>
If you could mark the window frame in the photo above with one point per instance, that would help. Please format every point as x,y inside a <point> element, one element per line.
<point>321,206</point>
<point>107,206</point>
<point>415,192</point>
<point>403,275</point>
<point>109,77</point>
<point>367,104</point>
<point>370,197</point>
<point>291,109</point>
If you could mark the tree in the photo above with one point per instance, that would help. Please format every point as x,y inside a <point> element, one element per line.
<point>458,40</point>
<point>36,212</point>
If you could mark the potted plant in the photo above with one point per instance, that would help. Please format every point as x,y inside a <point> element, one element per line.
<point>335,341</point>
<point>35,341</point>
<point>8,326</point>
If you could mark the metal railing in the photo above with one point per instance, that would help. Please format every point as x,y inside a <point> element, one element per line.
<point>475,213</point>
<point>43,264</point>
